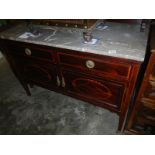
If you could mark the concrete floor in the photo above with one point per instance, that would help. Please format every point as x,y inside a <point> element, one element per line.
<point>47,112</point>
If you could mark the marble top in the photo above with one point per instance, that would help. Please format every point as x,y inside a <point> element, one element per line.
<point>115,39</point>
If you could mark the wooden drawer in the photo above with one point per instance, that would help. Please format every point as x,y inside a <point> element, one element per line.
<point>100,65</point>
<point>32,51</point>
<point>102,92</point>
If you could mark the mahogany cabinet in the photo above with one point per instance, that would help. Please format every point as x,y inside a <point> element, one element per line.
<point>142,117</point>
<point>101,80</point>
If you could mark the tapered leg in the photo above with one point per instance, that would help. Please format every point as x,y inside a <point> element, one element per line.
<point>25,86</point>
<point>31,85</point>
<point>120,125</point>
<point>27,89</point>
<point>18,75</point>
<point>23,83</point>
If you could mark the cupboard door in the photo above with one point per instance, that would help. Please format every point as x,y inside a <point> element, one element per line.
<point>102,92</point>
<point>38,73</point>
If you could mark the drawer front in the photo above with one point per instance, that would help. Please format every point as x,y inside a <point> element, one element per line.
<point>96,65</point>
<point>103,92</point>
<point>32,51</point>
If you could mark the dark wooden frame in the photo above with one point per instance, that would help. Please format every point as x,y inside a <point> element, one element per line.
<point>144,106</point>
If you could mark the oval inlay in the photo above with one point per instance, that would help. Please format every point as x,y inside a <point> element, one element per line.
<point>37,73</point>
<point>92,88</point>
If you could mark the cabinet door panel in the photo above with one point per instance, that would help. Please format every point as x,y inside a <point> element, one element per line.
<point>97,90</point>
<point>37,73</point>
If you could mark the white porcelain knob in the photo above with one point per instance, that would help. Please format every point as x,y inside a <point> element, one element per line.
<point>90,64</point>
<point>28,51</point>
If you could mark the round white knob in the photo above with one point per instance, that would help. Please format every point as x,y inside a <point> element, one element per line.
<point>90,64</point>
<point>28,51</point>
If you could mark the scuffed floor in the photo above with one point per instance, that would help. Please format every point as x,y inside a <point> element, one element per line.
<point>47,112</point>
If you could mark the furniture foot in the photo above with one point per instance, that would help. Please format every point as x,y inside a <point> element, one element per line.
<point>27,90</point>
<point>31,85</point>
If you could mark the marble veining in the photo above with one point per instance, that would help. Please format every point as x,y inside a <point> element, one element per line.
<point>117,40</point>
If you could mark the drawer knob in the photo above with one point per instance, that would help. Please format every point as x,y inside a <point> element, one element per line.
<point>90,64</point>
<point>28,51</point>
